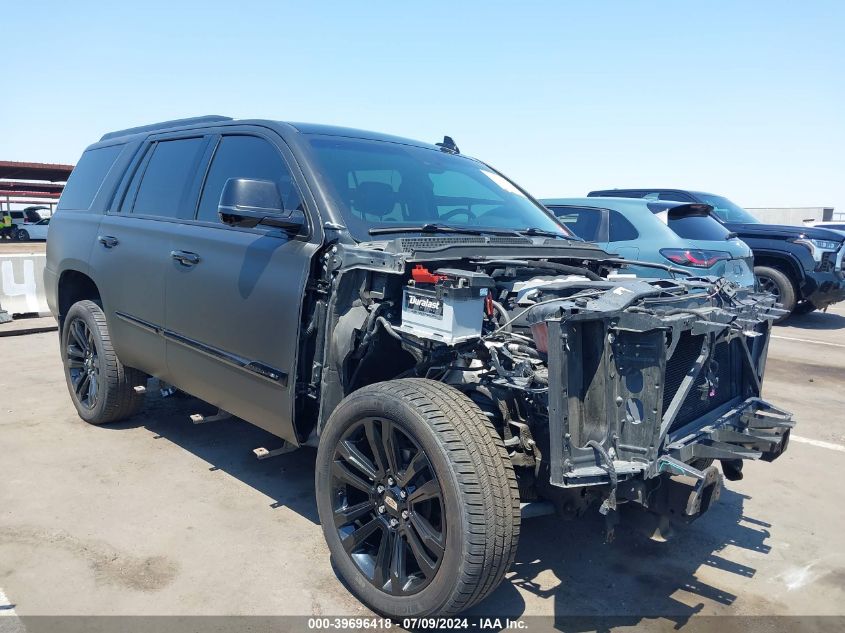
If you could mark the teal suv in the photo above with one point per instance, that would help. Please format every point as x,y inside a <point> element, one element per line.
<point>674,234</point>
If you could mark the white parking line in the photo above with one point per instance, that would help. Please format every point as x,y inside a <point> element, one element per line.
<point>807,340</point>
<point>6,607</point>
<point>13,624</point>
<point>819,443</point>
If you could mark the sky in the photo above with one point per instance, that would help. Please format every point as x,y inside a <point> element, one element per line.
<point>745,99</point>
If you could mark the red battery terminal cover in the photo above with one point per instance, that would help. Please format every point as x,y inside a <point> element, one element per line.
<point>488,305</point>
<point>422,275</point>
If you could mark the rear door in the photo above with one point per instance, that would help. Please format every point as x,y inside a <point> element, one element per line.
<point>133,246</point>
<point>234,295</point>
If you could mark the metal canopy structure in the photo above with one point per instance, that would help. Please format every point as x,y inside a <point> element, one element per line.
<point>24,183</point>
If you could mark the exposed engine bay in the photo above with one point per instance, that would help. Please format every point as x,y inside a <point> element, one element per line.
<point>605,388</point>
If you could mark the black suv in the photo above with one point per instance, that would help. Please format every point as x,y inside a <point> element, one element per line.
<point>800,265</point>
<point>451,350</point>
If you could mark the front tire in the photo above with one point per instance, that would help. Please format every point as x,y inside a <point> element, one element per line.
<point>417,498</point>
<point>100,386</point>
<point>777,283</point>
<point>23,235</point>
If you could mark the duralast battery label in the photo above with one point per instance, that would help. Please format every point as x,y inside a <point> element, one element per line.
<point>421,304</point>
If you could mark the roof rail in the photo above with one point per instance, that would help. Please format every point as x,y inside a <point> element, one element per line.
<point>164,125</point>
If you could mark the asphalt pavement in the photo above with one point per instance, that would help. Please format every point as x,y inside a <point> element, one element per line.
<point>157,516</point>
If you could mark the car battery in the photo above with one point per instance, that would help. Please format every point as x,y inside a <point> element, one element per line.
<point>447,306</point>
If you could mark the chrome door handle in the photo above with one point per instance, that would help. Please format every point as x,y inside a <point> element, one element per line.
<point>185,258</point>
<point>108,241</point>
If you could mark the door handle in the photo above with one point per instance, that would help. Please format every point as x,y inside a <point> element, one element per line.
<point>185,258</point>
<point>108,241</point>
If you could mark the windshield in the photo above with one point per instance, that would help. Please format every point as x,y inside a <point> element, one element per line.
<point>727,211</point>
<point>382,185</point>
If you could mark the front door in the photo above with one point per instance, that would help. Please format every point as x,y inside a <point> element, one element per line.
<point>234,295</point>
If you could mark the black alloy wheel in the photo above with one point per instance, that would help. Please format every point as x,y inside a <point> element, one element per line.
<point>417,498</point>
<point>777,283</point>
<point>102,388</point>
<point>388,506</point>
<point>768,284</point>
<point>83,363</point>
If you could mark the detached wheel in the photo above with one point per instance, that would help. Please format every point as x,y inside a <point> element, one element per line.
<point>101,388</point>
<point>775,282</point>
<point>417,498</point>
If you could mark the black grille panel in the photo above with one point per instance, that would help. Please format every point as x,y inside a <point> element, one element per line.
<point>431,243</point>
<point>689,346</point>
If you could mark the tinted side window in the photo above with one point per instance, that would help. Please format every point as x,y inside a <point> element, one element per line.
<point>620,229</point>
<point>168,177</point>
<point>583,221</point>
<point>246,157</point>
<point>87,177</point>
<point>697,227</point>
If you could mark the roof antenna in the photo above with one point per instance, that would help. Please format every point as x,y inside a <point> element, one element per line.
<point>448,145</point>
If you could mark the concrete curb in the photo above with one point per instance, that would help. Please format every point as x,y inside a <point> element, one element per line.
<point>19,327</point>
<point>32,330</point>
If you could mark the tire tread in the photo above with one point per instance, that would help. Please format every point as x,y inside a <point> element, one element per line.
<point>118,381</point>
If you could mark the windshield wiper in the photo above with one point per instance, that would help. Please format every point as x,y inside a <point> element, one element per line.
<point>534,231</point>
<point>433,227</point>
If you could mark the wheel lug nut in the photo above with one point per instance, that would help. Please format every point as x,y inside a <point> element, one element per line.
<point>405,514</point>
<point>390,481</point>
<point>403,494</point>
<point>393,522</point>
<point>380,489</point>
<point>381,509</point>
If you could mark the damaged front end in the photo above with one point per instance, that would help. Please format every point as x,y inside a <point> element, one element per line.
<point>647,391</point>
<point>604,389</point>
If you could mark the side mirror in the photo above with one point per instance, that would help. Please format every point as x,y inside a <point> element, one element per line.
<point>248,203</point>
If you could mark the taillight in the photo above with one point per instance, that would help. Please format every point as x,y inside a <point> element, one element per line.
<point>697,258</point>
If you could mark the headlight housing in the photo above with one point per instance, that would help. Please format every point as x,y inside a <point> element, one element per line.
<point>818,248</point>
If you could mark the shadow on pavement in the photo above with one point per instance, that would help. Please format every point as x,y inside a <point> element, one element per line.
<point>587,579</point>
<point>565,561</point>
<point>814,321</point>
<point>227,445</point>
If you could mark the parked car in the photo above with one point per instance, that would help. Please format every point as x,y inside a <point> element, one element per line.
<point>29,215</point>
<point>801,266</point>
<point>37,231</point>
<point>449,348</point>
<point>676,234</point>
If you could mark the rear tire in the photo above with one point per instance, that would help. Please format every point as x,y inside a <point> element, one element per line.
<point>777,283</point>
<point>100,386</point>
<point>473,526</point>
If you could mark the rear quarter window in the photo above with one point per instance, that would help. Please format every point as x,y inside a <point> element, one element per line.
<point>87,178</point>
<point>585,222</point>
<point>621,230</point>
<point>697,227</point>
